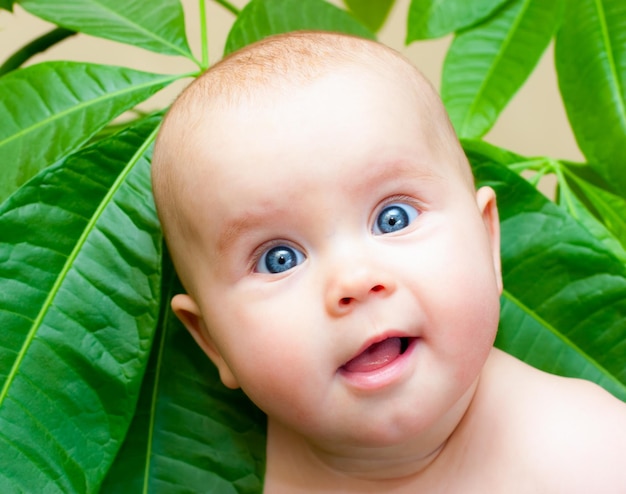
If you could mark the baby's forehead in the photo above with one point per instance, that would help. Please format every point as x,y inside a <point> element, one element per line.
<point>240,116</point>
<point>259,76</point>
<point>285,62</point>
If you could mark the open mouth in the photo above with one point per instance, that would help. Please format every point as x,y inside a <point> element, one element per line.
<point>378,355</point>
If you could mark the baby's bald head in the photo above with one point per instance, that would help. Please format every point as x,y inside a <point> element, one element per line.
<point>262,73</point>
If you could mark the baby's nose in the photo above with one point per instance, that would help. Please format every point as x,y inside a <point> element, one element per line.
<point>352,286</point>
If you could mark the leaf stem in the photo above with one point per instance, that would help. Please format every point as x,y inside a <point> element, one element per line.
<point>534,165</point>
<point>536,178</point>
<point>228,6</point>
<point>42,43</point>
<point>565,193</point>
<point>204,36</point>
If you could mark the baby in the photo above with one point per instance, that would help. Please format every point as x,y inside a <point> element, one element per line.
<point>342,270</point>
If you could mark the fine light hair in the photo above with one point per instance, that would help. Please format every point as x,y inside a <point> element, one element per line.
<point>267,69</point>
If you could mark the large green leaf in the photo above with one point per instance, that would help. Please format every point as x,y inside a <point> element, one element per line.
<point>261,18</point>
<point>435,18</point>
<point>80,253</point>
<point>156,26</point>
<point>486,65</point>
<point>608,207</point>
<point>564,300</point>
<point>590,59</point>
<point>372,13</point>
<point>54,107</point>
<point>190,433</point>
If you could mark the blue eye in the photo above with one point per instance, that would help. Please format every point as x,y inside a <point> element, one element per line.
<point>394,217</point>
<point>279,259</point>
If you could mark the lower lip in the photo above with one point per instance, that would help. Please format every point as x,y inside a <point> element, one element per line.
<point>383,376</point>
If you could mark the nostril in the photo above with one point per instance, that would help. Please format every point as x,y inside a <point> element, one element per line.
<point>345,301</point>
<point>378,288</point>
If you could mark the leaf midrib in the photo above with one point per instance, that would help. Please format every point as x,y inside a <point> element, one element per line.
<point>126,21</point>
<point>138,27</point>
<point>153,401</point>
<point>77,108</point>
<point>70,262</point>
<point>566,341</point>
<point>607,211</point>
<point>494,66</point>
<point>616,88</point>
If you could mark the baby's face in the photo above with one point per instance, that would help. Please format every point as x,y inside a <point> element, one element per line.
<point>344,270</point>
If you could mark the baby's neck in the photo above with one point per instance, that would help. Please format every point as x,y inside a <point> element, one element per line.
<point>296,465</point>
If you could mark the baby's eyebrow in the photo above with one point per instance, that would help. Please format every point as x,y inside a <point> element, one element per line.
<point>235,227</point>
<point>403,169</point>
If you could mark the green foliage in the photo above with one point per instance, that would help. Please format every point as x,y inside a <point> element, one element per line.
<point>187,425</point>
<point>570,269</point>
<point>591,65</point>
<point>101,389</point>
<point>62,95</point>
<point>434,18</point>
<point>75,339</point>
<point>7,5</point>
<point>372,13</point>
<point>160,29</point>
<point>486,65</point>
<point>261,18</point>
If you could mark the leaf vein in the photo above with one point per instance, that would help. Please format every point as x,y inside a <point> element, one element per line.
<point>590,360</point>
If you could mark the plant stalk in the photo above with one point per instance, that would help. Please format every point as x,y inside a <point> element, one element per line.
<point>204,36</point>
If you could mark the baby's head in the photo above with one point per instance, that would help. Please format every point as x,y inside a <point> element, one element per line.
<point>339,265</point>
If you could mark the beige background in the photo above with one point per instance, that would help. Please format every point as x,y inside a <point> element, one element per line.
<point>533,124</point>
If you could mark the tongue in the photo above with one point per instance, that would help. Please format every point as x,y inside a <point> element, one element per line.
<point>376,356</point>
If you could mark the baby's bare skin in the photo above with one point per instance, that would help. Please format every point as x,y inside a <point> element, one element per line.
<point>525,432</point>
<point>342,269</point>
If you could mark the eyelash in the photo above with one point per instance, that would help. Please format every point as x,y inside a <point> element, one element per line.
<point>265,248</point>
<point>402,198</point>
<point>399,199</point>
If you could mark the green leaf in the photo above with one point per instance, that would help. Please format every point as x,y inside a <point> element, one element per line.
<point>34,47</point>
<point>564,300</point>
<point>429,19</point>
<point>261,18</point>
<point>599,198</point>
<point>56,106</point>
<point>568,200</point>
<point>80,254</point>
<point>158,26</point>
<point>486,65</point>
<point>190,433</point>
<point>7,5</point>
<point>590,56</point>
<point>372,13</point>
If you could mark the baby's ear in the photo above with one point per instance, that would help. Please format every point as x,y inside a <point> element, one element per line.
<point>190,315</point>
<point>486,200</point>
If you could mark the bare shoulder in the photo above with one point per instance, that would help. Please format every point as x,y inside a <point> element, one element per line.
<point>569,432</point>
